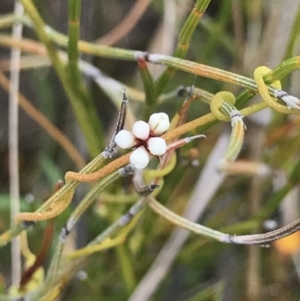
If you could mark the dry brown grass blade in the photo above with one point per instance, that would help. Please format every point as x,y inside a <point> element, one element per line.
<point>127,24</point>
<point>52,130</point>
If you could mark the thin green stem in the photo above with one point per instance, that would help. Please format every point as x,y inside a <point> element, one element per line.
<point>121,226</point>
<point>148,84</point>
<point>9,19</point>
<point>80,112</point>
<point>74,32</point>
<point>293,36</point>
<point>73,219</point>
<point>89,198</point>
<point>59,195</point>
<point>218,31</point>
<point>126,268</point>
<point>74,74</point>
<point>277,73</point>
<point>187,66</point>
<point>184,223</point>
<point>191,67</point>
<point>184,41</point>
<point>220,236</point>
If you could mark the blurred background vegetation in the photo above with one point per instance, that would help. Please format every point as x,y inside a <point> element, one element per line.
<point>232,35</point>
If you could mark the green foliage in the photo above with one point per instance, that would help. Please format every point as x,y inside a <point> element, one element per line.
<point>220,189</point>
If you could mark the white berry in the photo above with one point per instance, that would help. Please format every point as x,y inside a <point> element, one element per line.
<point>159,123</point>
<point>139,158</point>
<point>125,139</point>
<point>141,130</point>
<point>157,146</point>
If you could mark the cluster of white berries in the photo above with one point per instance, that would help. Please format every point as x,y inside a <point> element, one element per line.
<point>145,138</point>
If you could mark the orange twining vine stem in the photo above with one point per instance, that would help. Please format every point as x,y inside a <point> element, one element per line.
<point>54,209</point>
<point>99,174</point>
